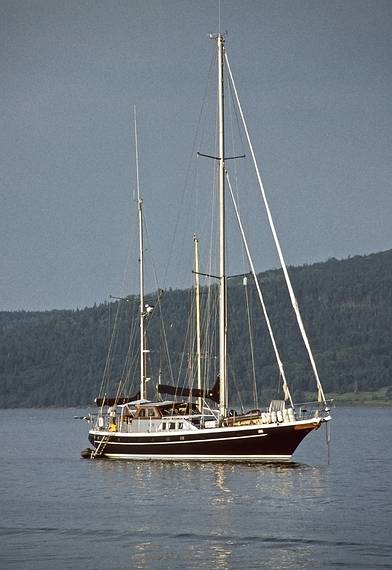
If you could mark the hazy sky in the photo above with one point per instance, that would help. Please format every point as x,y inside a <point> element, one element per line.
<point>316,84</point>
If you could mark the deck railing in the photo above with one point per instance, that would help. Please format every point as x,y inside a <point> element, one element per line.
<point>302,411</point>
<point>308,410</point>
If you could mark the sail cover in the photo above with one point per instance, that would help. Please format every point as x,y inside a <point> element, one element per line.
<point>118,401</point>
<point>212,394</point>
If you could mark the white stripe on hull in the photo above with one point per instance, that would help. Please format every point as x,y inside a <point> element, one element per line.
<point>248,458</point>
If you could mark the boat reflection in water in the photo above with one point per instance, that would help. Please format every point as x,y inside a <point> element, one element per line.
<point>215,513</point>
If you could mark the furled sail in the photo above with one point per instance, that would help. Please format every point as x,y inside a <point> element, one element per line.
<point>212,394</point>
<point>117,401</point>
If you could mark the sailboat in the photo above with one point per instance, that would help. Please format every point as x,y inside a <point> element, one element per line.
<point>197,423</point>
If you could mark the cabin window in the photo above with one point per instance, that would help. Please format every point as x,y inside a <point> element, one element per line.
<point>180,425</point>
<point>172,425</point>
<point>142,413</point>
<point>163,426</point>
<point>150,412</point>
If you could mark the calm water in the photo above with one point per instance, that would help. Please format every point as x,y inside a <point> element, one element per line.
<point>59,511</point>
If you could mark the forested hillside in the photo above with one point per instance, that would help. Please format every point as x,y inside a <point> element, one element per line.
<point>57,358</point>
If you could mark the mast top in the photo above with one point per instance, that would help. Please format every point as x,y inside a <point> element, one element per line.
<point>217,36</point>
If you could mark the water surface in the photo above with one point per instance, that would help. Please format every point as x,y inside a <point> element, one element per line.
<point>62,511</point>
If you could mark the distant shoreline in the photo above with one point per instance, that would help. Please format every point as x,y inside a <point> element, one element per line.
<point>349,399</point>
<point>370,398</point>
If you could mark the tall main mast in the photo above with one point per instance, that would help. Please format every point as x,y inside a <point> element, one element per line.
<point>141,273</point>
<point>223,398</point>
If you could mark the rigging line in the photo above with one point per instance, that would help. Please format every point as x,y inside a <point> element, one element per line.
<point>121,382</point>
<point>233,111</point>
<point>108,331</point>
<point>210,307</point>
<point>321,396</point>
<point>236,386</point>
<point>192,366</point>
<point>206,349</point>
<point>272,337</point>
<point>131,316</point>
<point>165,342</point>
<point>124,376</point>
<point>136,155</point>
<point>190,162</point>
<point>209,316</point>
<point>252,355</point>
<point>115,333</point>
<point>234,108</point>
<point>108,362</point>
<point>210,343</point>
<point>159,303</point>
<point>183,353</point>
<point>130,358</point>
<point>210,326</point>
<point>212,232</point>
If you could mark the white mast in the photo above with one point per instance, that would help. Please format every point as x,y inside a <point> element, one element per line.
<point>223,396</point>
<point>198,344</point>
<point>141,272</point>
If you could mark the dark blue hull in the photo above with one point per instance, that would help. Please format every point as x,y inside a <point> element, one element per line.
<point>277,442</point>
